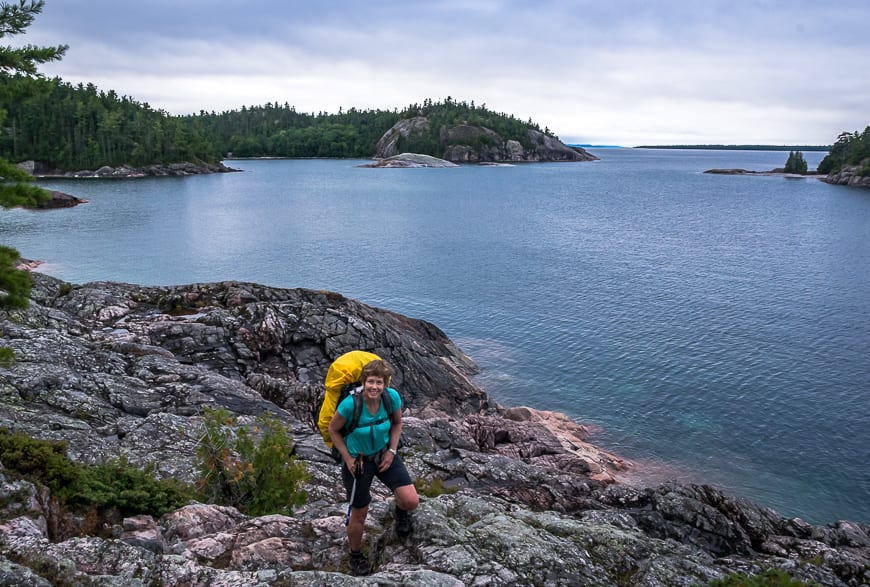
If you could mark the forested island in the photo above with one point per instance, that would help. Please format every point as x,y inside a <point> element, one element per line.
<point>71,127</point>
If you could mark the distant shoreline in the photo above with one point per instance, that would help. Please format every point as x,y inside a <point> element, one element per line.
<point>821,148</point>
<point>771,173</point>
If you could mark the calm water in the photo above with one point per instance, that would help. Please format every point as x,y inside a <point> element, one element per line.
<point>714,327</point>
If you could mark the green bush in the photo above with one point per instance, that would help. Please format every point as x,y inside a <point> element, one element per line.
<point>40,461</point>
<point>117,484</point>
<point>120,485</point>
<point>257,479</point>
<point>433,488</point>
<point>771,578</point>
<point>14,283</point>
<point>7,357</point>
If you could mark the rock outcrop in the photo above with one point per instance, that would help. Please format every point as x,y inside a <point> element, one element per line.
<point>851,175</point>
<point>465,143</point>
<point>183,168</point>
<point>61,200</point>
<point>409,160</point>
<point>116,369</point>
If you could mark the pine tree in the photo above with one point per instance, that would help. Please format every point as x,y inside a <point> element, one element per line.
<point>16,188</point>
<point>800,163</point>
<point>796,163</point>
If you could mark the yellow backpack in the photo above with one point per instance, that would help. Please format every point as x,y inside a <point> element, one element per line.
<point>341,379</point>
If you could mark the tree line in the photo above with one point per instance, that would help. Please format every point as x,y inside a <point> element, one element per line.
<point>80,127</point>
<point>16,186</point>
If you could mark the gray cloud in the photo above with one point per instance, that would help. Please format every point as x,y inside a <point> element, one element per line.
<point>620,72</point>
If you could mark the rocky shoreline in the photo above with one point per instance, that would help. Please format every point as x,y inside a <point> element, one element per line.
<point>181,169</point>
<point>849,175</point>
<point>771,173</point>
<point>124,370</point>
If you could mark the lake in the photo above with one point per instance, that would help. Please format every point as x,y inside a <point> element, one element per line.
<point>713,328</point>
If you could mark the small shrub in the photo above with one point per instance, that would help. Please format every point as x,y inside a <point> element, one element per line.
<point>258,479</point>
<point>40,461</point>
<point>7,357</point>
<point>14,283</point>
<point>118,484</point>
<point>771,578</point>
<point>433,488</point>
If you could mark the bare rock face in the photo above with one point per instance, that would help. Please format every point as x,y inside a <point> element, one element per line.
<point>410,160</point>
<point>850,175</point>
<point>464,143</point>
<point>117,369</point>
<point>388,145</point>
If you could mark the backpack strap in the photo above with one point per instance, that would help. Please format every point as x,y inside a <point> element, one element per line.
<point>388,402</point>
<point>353,423</point>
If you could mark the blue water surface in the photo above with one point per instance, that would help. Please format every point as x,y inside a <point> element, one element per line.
<point>714,327</point>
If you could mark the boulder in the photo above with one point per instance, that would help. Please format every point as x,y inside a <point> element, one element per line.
<point>410,160</point>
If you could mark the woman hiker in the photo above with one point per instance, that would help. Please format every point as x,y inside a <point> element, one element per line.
<point>369,451</point>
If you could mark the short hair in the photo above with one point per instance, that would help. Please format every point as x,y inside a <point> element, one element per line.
<point>376,368</point>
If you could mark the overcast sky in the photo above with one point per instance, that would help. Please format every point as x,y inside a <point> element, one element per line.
<point>624,72</point>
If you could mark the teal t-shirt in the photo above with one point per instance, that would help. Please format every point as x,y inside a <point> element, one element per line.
<point>369,437</point>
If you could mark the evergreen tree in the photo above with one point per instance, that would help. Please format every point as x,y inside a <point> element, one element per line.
<point>16,188</point>
<point>796,163</point>
<point>850,149</point>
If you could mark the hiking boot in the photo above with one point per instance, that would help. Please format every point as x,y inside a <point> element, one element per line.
<point>404,523</point>
<point>359,564</point>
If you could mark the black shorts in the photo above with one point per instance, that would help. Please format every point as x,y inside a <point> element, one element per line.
<point>396,476</point>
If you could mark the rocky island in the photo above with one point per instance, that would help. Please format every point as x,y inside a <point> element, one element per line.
<point>470,143</point>
<point>117,369</point>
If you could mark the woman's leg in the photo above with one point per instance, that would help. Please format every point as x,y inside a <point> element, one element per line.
<point>399,482</point>
<point>406,497</point>
<point>361,499</point>
<point>355,527</point>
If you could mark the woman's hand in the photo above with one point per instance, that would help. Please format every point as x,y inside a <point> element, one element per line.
<point>386,461</point>
<point>353,465</point>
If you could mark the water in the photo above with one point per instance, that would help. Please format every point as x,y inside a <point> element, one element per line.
<point>714,327</point>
